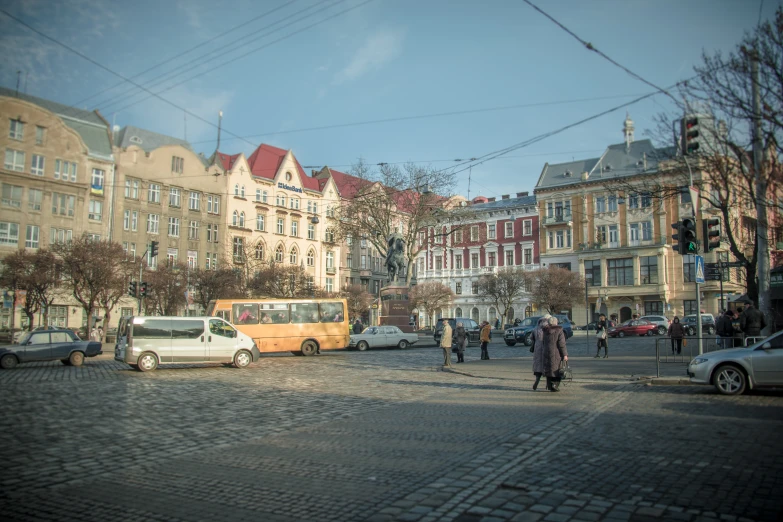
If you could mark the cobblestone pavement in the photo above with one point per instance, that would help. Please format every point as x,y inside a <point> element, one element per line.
<point>376,436</point>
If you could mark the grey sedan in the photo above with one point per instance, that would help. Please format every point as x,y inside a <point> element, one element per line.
<point>382,336</point>
<point>736,370</point>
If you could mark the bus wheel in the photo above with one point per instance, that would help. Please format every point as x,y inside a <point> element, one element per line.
<point>309,348</point>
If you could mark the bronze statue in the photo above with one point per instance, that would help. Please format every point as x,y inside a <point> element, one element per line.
<point>395,257</point>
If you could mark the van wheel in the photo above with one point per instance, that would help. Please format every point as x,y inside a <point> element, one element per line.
<point>242,359</point>
<point>66,362</point>
<point>76,358</point>
<point>309,348</point>
<point>147,362</point>
<point>8,361</point>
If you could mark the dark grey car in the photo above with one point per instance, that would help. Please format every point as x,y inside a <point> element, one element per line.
<point>49,345</point>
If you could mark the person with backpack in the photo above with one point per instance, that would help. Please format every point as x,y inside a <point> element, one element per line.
<point>725,329</point>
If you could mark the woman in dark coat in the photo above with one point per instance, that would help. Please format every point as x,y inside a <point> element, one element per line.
<point>554,344</point>
<point>676,332</point>
<point>461,338</point>
<point>538,349</point>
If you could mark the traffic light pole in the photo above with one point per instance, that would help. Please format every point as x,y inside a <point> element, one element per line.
<point>698,316</point>
<point>141,274</point>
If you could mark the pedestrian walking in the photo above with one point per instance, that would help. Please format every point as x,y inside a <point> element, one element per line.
<point>554,353</point>
<point>752,321</point>
<point>538,348</point>
<point>601,333</point>
<point>357,327</point>
<point>676,332</point>
<point>724,327</point>
<point>445,343</point>
<point>461,339</point>
<point>485,335</point>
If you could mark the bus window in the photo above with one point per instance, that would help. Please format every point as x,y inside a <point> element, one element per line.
<point>276,313</point>
<point>304,313</point>
<point>245,313</point>
<point>332,312</point>
<point>223,314</point>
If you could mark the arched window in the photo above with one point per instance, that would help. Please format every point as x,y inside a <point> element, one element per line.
<point>474,314</point>
<point>260,251</point>
<point>292,257</point>
<point>311,257</point>
<point>458,312</point>
<point>294,202</point>
<point>241,219</point>
<point>236,189</point>
<point>235,218</point>
<point>279,254</point>
<point>242,191</point>
<point>281,200</point>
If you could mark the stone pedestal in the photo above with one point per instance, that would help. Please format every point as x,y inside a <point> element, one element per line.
<point>395,308</point>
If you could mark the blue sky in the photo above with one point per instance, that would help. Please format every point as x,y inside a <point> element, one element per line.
<point>383,59</point>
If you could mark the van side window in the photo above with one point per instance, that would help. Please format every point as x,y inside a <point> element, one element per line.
<point>186,328</point>
<point>153,329</point>
<point>218,327</point>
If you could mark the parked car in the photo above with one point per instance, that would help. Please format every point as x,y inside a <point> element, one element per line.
<point>633,327</point>
<point>471,326</point>
<point>588,326</point>
<point>381,337</point>
<point>707,324</point>
<point>662,322</point>
<point>735,370</point>
<point>523,333</point>
<point>48,345</point>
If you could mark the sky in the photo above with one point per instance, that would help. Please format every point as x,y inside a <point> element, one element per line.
<point>460,78</point>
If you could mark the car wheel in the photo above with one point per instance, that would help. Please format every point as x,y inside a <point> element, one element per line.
<point>147,362</point>
<point>362,346</point>
<point>510,343</point>
<point>529,339</point>
<point>620,334</point>
<point>402,344</point>
<point>8,361</point>
<point>729,380</point>
<point>649,333</point>
<point>710,330</point>
<point>662,330</point>
<point>66,362</point>
<point>309,348</point>
<point>76,358</point>
<point>242,359</point>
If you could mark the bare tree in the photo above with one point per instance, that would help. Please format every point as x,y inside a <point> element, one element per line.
<point>44,282</point>
<point>429,297</point>
<point>282,280</point>
<point>358,299</point>
<point>166,288</point>
<point>209,285</point>
<point>14,276</point>
<point>554,289</point>
<point>502,289</point>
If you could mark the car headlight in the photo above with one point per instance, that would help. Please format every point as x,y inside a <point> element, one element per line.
<point>698,360</point>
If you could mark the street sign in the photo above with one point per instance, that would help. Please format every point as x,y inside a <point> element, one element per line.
<point>733,264</point>
<point>713,277</point>
<point>699,264</point>
<point>712,271</point>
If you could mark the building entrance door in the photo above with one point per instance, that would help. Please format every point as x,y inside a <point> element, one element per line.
<point>625,314</point>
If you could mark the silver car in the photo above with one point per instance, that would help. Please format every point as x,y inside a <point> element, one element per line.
<point>382,336</point>
<point>734,371</point>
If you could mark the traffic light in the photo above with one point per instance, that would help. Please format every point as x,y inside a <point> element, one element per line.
<point>132,289</point>
<point>677,236</point>
<point>689,134</point>
<point>153,249</point>
<point>143,289</point>
<point>688,239</point>
<point>708,232</point>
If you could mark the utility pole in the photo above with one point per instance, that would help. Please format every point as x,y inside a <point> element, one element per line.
<point>762,259</point>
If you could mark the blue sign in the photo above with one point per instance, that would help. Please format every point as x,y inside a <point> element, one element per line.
<point>288,187</point>
<point>699,269</point>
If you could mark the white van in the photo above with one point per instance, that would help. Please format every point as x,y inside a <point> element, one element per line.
<point>146,342</point>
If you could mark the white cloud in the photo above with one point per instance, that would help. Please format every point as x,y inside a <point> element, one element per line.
<point>378,49</point>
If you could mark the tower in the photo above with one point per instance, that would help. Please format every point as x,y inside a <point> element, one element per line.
<point>628,131</point>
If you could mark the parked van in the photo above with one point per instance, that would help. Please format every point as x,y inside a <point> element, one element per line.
<point>146,342</point>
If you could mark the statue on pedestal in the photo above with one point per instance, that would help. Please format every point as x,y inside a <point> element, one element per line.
<point>395,257</point>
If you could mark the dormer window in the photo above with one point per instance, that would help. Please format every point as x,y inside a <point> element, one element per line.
<point>135,139</point>
<point>288,176</point>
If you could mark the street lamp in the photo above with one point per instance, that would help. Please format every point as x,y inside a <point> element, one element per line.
<point>588,279</point>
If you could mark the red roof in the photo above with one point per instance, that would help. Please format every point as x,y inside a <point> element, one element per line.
<point>348,185</point>
<point>227,160</point>
<point>265,163</point>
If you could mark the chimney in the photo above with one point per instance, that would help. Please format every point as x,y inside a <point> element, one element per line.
<point>585,175</point>
<point>490,200</point>
<point>313,173</point>
<point>504,196</point>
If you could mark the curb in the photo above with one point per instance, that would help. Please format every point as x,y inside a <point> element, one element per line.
<point>669,381</point>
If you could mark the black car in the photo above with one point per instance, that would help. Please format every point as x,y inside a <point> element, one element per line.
<point>471,327</point>
<point>48,345</point>
<point>707,324</point>
<point>524,332</point>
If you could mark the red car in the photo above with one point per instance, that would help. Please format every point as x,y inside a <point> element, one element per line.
<point>634,327</point>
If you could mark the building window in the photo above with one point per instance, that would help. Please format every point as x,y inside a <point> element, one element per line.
<point>236,189</point>
<point>647,231</point>
<point>474,233</point>
<point>614,236</point>
<point>311,258</point>
<point>330,260</point>
<point>153,222</point>
<point>96,183</point>
<point>34,199</point>
<point>171,256</point>
<point>174,227</point>
<point>329,236</point>
<point>509,226</point>
<point>37,165</point>
<point>612,203</point>
<point>279,254</point>
<point>193,230</point>
<point>126,220</point>
<point>260,222</point>
<point>457,238</point>
<point>527,227</point>
<point>259,251</point>
<point>646,200</point>
<point>600,204</point>
<point>59,235</point>
<point>212,233</point>
<point>242,219</point>
<point>14,160</point>
<point>492,259</point>
<point>560,239</point>
<point>293,256</point>
<point>528,256</point>
<point>63,204</point>
<point>491,231</point>
<point>438,262</point>
<point>9,233</point>
<point>194,202</point>
<point>280,225</point>
<point>474,287</point>
<point>295,228</point>
<point>619,272</point>
<point>213,204</point>
<point>509,257</point>
<point>474,260</point>
<point>458,261</point>
<point>177,164</point>
<point>153,193</point>
<point>648,270</point>
<point>330,284</point>
<point>294,203</point>
<point>653,308</point>
<point>264,196</point>
<point>310,231</point>
<point>689,268</point>
<point>16,131</point>
<point>40,135</point>
<point>134,220</point>
<point>280,200</point>
<point>239,249</point>
<point>690,307</point>
<point>242,191</point>
<point>258,195</point>
<point>458,288</point>
<point>31,241</point>
<point>64,169</point>
<point>131,185</point>
<point>633,201</point>
<point>192,259</point>
<point>95,210</point>
<point>594,268</point>
<point>174,197</point>
<point>12,195</point>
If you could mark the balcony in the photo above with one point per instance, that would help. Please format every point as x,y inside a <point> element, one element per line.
<point>558,219</point>
<point>330,270</point>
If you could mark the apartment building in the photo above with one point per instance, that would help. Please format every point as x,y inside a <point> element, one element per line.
<point>492,234</point>
<point>57,183</point>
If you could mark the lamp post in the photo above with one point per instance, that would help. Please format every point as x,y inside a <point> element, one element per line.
<point>588,278</point>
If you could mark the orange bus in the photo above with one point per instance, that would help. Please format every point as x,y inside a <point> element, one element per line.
<point>299,326</point>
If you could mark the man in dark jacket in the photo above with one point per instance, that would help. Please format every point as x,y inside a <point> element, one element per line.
<point>725,329</point>
<point>752,321</point>
<point>357,327</point>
